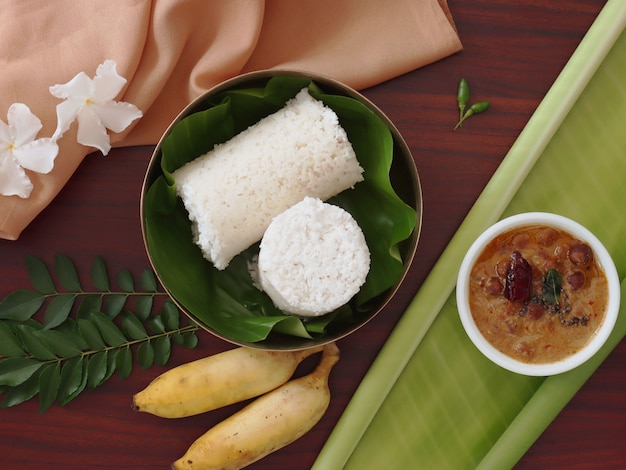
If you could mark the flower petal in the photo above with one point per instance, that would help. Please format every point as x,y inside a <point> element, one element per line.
<point>91,132</point>
<point>13,179</point>
<point>37,155</point>
<point>80,87</point>
<point>107,82</point>
<point>67,112</point>
<point>5,133</point>
<point>116,115</point>
<point>23,123</point>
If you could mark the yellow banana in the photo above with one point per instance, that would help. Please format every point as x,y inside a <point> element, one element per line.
<point>219,380</point>
<point>269,423</point>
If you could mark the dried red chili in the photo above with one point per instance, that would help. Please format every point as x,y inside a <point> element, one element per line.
<point>518,283</point>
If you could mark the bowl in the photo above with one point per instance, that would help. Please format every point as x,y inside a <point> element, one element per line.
<point>537,328</point>
<point>227,302</point>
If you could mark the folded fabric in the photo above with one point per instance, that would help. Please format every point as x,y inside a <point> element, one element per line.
<point>171,51</point>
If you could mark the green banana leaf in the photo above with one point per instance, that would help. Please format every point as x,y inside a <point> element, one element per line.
<point>431,400</point>
<point>227,301</point>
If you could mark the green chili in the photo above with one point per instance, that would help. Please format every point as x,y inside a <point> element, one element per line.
<point>476,108</point>
<point>462,96</point>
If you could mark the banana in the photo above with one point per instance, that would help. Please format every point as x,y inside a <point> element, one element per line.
<point>219,380</point>
<point>269,423</point>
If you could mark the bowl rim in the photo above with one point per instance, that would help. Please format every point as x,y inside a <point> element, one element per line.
<point>417,201</point>
<point>603,258</point>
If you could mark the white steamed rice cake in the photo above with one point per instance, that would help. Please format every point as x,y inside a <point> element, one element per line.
<point>233,192</point>
<point>313,258</point>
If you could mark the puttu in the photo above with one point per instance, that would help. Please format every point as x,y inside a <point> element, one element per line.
<point>233,192</point>
<point>313,258</point>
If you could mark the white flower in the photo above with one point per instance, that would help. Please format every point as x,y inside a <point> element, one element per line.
<point>19,150</point>
<point>91,101</point>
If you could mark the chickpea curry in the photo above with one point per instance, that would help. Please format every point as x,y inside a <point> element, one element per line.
<point>537,294</point>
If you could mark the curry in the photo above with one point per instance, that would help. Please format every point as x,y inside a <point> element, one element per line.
<point>538,294</point>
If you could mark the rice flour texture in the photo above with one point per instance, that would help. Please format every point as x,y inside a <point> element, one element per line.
<point>313,258</point>
<point>232,193</point>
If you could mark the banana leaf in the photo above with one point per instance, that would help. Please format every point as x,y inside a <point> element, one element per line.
<point>431,400</point>
<point>227,301</point>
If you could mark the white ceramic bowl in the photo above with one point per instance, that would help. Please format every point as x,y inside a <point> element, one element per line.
<point>602,257</point>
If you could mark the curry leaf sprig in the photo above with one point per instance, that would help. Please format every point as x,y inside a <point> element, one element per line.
<point>462,98</point>
<point>85,336</point>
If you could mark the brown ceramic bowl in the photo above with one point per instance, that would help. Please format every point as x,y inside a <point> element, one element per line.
<point>178,263</point>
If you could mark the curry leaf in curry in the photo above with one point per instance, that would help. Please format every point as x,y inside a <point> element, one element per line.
<point>552,285</point>
<point>85,336</point>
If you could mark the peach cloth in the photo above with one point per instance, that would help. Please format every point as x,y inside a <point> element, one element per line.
<point>170,51</point>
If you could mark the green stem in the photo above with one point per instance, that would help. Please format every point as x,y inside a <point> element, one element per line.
<point>476,108</point>
<point>90,352</point>
<point>108,292</point>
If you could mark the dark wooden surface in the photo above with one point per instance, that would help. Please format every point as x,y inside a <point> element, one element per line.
<point>513,52</point>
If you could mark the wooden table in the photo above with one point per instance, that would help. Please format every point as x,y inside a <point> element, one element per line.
<point>513,52</point>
